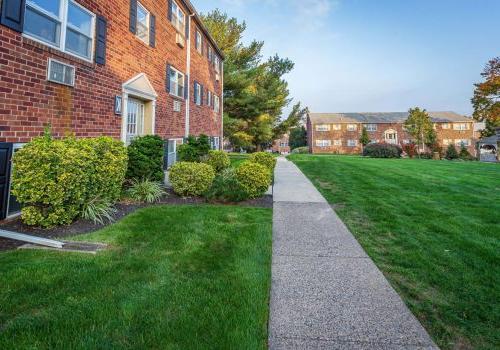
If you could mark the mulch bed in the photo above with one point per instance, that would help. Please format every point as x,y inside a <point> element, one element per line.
<point>123,209</point>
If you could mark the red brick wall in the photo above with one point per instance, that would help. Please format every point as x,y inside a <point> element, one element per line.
<point>28,101</point>
<point>277,148</point>
<point>345,135</point>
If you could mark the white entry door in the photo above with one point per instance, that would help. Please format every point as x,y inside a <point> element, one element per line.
<point>135,119</point>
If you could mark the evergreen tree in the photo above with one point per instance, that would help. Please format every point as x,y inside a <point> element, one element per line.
<point>365,138</point>
<point>298,137</point>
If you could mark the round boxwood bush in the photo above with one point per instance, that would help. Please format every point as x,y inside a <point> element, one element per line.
<point>264,158</point>
<point>55,180</point>
<point>145,155</point>
<point>219,160</point>
<point>191,179</point>
<point>226,188</point>
<point>382,150</point>
<point>254,177</point>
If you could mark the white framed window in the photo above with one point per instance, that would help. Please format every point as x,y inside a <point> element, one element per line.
<point>216,143</point>
<point>445,126</point>
<point>337,127</point>
<point>210,54</point>
<point>61,73</point>
<point>323,127</point>
<point>217,63</point>
<point>61,24</point>
<point>337,142</point>
<point>209,98</point>
<point>352,143</point>
<point>406,141</point>
<point>352,127</point>
<point>142,24</point>
<point>216,104</point>
<point>323,143</point>
<point>198,41</point>
<point>447,142</point>
<point>370,127</point>
<point>176,83</point>
<point>197,94</point>
<point>460,126</point>
<point>178,17</point>
<point>283,144</point>
<point>462,142</point>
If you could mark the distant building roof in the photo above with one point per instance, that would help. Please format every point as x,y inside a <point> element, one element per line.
<point>383,117</point>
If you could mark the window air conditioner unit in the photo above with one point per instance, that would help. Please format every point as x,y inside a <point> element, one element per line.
<point>179,40</point>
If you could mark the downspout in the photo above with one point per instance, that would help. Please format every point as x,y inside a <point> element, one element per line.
<point>188,69</point>
<point>221,142</point>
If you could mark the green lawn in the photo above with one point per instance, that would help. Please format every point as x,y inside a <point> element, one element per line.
<point>433,228</point>
<point>176,277</point>
<point>237,158</point>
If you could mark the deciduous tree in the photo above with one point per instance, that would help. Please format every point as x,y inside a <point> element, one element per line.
<point>419,126</point>
<point>486,100</point>
<point>365,138</point>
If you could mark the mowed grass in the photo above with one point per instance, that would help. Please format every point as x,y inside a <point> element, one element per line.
<point>185,277</point>
<point>433,228</point>
<point>237,158</point>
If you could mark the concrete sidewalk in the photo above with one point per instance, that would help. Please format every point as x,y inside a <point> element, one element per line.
<point>326,293</point>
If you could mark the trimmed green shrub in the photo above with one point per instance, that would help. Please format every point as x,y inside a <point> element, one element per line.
<point>219,160</point>
<point>300,150</point>
<point>145,156</point>
<point>451,152</point>
<point>194,149</point>
<point>55,179</point>
<point>464,153</point>
<point>226,188</point>
<point>382,150</point>
<point>264,158</point>
<point>146,191</point>
<point>254,177</point>
<point>191,179</point>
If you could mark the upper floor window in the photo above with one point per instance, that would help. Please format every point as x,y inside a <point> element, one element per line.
<point>352,127</point>
<point>62,24</point>
<point>460,126</point>
<point>370,127</point>
<point>210,54</point>
<point>216,104</point>
<point>445,126</point>
<point>217,63</point>
<point>198,41</point>
<point>323,127</point>
<point>176,83</point>
<point>336,126</point>
<point>178,18</point>
<point>197,94</point>
<point>209,98</point>
<point>142,23</point>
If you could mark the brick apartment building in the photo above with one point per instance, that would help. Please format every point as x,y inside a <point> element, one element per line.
<point>120,68</point>
<point>282,145</point>
<point>108,67</point>
<point>340,132</point>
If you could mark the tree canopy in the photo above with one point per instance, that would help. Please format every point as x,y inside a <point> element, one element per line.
<point>255,91</point>
<point>419,126</point>
<point>486,100</point>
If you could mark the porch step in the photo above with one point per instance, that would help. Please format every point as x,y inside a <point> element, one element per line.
<point>31,239</point>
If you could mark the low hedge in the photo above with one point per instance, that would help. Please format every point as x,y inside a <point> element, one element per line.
<point>145,155</point>
<point>382,150</point>
<point>301,150</point>
<point>54,179</point>
<point>254,177</point>
<point>264,158</point>
<point>191,179</point>
<point>219,160</point>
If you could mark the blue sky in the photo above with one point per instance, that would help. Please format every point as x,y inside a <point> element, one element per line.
<point>375,55</point>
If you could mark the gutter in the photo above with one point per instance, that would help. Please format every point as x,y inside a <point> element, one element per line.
<point>188,72</point>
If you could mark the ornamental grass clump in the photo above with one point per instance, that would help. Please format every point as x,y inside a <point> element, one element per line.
<point>191,179</point>
<point>255,178</point>
<point>54,180</point>
<point>146,191</point>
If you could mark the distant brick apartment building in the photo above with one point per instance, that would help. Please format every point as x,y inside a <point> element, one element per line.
<point>340,132</point>
<point>108,67</point>
<point>282,145</point>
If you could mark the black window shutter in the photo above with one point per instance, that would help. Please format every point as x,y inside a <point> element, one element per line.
<point>167,80</point>
<point>169,15</point>
<point>186,86</point>
<point>194,91</point>
<point>152,24</point>
<point>201,95</point>
<point>133,16</point>
<point>100,47</point>
<point>13,14</point>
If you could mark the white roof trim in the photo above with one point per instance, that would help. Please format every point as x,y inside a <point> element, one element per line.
<point>141,86</point>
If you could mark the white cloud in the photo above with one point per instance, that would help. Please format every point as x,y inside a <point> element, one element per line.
<point>311,15</point>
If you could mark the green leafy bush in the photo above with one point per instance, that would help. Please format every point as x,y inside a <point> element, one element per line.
<point>464,153</point>
<point>451,152</point>
<point>55,179</point>
<point>300,150</point>
<point>191,179</point>
<point>264,158</point>
<point>146,191</point>
<point>219,160</point>
<point>382,150</point>
<point>145,156</point>
<point>254,177</point>
<point>226,188</point>
<point>194,149</point>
